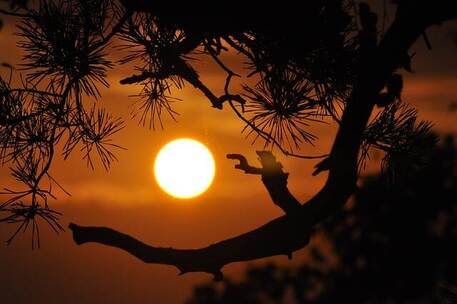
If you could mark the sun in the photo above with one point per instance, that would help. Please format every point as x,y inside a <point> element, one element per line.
<point>184,168</point>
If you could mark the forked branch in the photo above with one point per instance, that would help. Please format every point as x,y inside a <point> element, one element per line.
<point>274,179</point>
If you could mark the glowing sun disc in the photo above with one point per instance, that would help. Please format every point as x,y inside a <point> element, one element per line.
<point>184,168</point>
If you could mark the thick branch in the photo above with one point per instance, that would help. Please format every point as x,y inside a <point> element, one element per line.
<point>289,233</point>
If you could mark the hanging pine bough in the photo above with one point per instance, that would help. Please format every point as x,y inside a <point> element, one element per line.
<point>405,142</point>
<point>281,106</point>
<point>322,62</point>
<point>64,63</point>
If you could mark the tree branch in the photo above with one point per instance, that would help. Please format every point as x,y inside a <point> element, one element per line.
<point>289,233</point>
<point>116,29</point>
<point>243,165</point>
<point>183,70</point>
<point>274,179</point>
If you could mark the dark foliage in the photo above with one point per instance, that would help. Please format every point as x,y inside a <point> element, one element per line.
<point>303,76</point>
<point>396,132</point>
<point>281,105</point>
<point>64,64</point>
<point>392,244</point>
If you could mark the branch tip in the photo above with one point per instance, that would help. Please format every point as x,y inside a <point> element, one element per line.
<point>244,165</point>
<point>218,275</point>
<point>321,166</point>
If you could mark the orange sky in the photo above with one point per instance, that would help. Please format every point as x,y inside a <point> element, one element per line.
<point>127,198</point>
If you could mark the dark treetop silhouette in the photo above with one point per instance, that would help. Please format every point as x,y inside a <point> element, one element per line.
<point>326,60</point>
<point>409,258</point>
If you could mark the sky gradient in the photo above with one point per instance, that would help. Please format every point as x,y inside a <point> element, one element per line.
<point>128,199</point>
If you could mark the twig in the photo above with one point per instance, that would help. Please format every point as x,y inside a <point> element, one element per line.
<point>244,165</point>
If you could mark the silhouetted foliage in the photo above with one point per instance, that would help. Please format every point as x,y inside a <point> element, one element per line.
<point>64,63</point>
<point>65,43</point>
<point>324,62</point>
<point>391,244</point>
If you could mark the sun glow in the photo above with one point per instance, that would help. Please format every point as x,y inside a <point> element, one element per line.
<point>184,168</point>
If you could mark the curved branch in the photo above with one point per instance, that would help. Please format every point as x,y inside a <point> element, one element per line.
<point>289,233</point>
